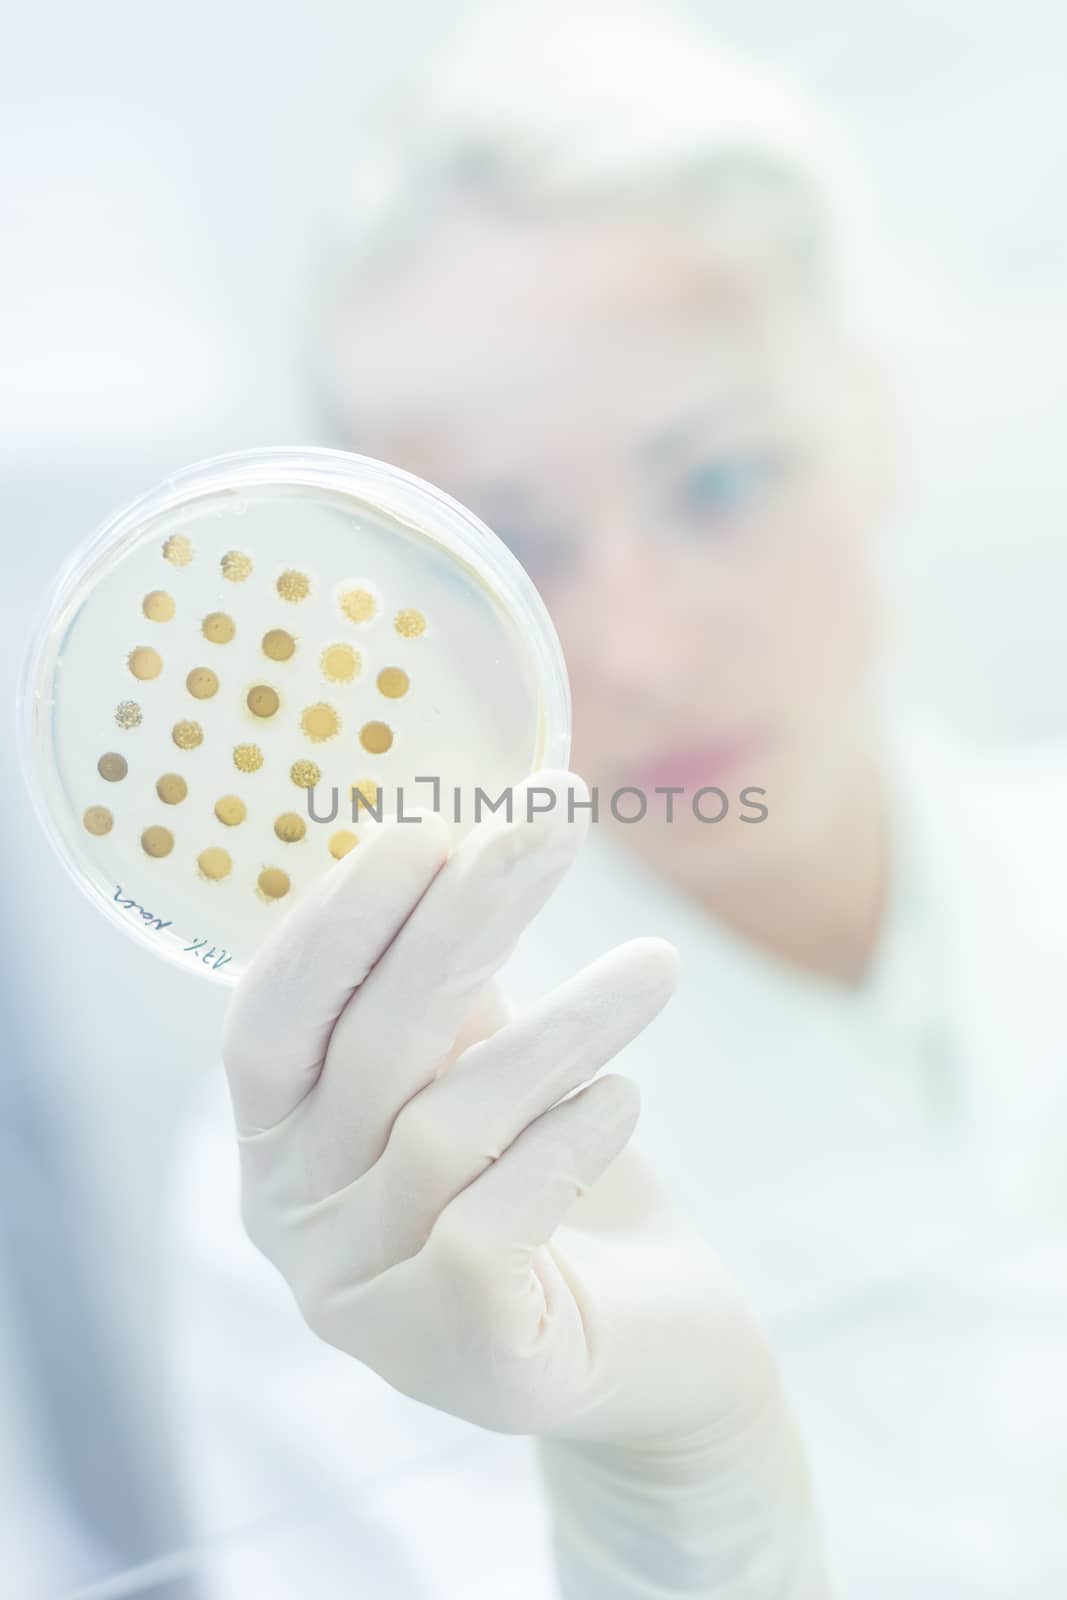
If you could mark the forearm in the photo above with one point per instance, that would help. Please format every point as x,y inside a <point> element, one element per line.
<point>718,1518</point>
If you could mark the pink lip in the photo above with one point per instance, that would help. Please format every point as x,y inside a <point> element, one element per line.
<point>736,758</point>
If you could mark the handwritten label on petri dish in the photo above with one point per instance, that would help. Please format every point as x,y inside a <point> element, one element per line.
<point>149,918</point>
<point>213,956</point>
<point>210,955</point>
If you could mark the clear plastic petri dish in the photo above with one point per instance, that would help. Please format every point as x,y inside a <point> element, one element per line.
<point>258,662</point>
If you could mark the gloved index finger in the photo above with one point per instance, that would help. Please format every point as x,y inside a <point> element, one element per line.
<point>284,1008</point>
<point>400,1029</point>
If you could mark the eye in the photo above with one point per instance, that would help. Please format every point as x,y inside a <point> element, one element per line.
<point>728,485</point>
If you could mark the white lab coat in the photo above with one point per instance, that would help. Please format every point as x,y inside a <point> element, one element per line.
<point>883,1170</point>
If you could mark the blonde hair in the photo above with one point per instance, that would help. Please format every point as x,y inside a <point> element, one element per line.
<point>616,103</point>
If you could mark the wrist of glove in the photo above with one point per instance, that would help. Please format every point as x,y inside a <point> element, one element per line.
<point>448,1192</point>
<point>724,1513</point>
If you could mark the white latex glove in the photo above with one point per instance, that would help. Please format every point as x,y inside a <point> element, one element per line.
<point>443,1214</point>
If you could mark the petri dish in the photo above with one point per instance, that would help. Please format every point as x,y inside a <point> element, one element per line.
<point>252,666</point>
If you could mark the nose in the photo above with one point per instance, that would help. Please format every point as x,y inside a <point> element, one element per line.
<point>628,617</point>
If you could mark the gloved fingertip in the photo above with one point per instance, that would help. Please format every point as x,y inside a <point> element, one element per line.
<point>619,1098</point>
<point>552,795</point>
<point>661,960</point>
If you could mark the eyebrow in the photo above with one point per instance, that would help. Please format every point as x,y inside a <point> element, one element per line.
<point>671,441</point>
<point>663,443</point>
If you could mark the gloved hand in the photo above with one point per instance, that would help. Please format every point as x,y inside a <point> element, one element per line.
<point>447,1210</point>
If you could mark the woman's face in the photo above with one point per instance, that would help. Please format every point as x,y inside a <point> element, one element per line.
<point>685,464</point>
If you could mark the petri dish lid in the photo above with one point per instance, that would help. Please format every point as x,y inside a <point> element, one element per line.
<point>250,667</point>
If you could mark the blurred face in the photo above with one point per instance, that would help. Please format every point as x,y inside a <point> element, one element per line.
<point>686,465</point>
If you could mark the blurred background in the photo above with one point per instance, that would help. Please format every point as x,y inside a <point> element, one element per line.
<point>175,184</point>
<point>171,182</point>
